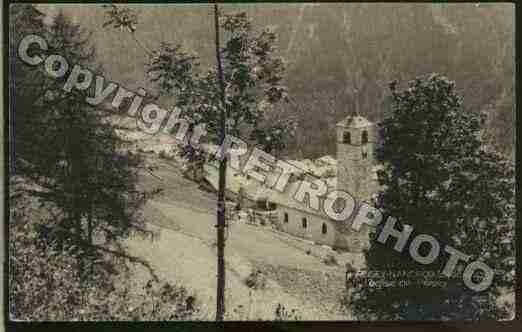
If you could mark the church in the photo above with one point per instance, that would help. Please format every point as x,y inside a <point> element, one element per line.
<point>356,174</point>
<point>353,170</point>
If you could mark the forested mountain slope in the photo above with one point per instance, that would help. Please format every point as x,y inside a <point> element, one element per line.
<point>341,56</point>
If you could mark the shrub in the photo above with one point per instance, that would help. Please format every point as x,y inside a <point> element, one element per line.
<point>45,283</point>
<point>256,280</point>
<point>330,260</point>
<point>282,314</point>
<point>164,155</point>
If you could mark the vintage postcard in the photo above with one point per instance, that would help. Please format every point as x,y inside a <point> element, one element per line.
<point>261,161</point>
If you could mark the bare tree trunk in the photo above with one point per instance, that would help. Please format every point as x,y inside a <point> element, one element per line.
<point>220,296</point>
<point>90,226</point>
<point>73,175</point>
<point>89,234</point>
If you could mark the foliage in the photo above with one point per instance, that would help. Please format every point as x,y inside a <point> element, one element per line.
<point>70,162</point>
<point>45,284</point>
<point>253,76</point>
<point>330,260</point>
<point>163,154</point>
<point>336,60</point>
<point>71,150</point>
<point>403,42</point>
<point>247,313</point>
<point>256,280</point>
<point>120,18</point>
<point>282,314</point>
<point>440,179</point>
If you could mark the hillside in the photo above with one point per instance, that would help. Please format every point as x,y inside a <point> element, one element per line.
<point>184,251</point>
<point>337,60</point>
<point>85,188</point>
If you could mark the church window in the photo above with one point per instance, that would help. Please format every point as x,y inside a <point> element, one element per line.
<point>305,223</point>
<point>483,119</point>
<point>347,138</point>
<point>364,138</point>
<point>286,217</point>
<point>324,229</point>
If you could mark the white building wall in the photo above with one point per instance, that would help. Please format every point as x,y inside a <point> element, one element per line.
<point>312,232</point>
<point>353,241</point>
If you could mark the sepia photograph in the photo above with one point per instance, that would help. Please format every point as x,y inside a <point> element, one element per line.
<point>260,162</point>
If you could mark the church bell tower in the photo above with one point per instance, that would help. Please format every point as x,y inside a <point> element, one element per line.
<point>356,140</point>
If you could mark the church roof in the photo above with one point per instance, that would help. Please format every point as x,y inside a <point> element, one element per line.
<point>286,198</point>
<point>356,121</point>
<point>327,160</point>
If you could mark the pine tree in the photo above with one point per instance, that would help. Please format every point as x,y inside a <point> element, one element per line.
<point>26,85</point>
<point>72,153</point>
<point>440,180</point>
